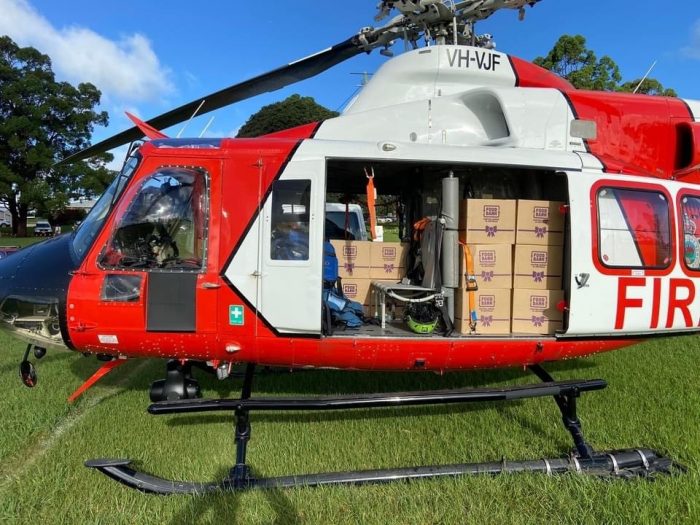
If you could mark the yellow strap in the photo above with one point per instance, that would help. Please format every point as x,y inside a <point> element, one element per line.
<point>470,284</point>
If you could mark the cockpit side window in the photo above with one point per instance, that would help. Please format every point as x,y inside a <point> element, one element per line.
<point>164,226</point>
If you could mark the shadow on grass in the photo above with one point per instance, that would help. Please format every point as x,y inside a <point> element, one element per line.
<point>225,505</point>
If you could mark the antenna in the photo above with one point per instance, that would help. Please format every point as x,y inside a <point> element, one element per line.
<point>206,127</point>
<point>645,77</point>
<point>190,119</point>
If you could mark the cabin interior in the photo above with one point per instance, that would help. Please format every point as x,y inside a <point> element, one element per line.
<point>407,193</point>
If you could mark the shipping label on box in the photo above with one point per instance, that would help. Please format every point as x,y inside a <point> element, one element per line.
<point>357,290</point>
<point>487,221</point>
<point>540,222</point>
<point>388,260</point>
<point>538,267</point>
<point>493,265</point>
<point>353,258</point>
<point>537,312</point>
<point>492,310</point>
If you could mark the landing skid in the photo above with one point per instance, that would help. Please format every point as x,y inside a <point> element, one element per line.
<point>621,463</point>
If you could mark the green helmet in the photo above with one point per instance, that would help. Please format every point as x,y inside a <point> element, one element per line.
<point>422,318</point>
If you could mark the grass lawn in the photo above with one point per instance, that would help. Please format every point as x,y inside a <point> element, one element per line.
<point>653,401</point>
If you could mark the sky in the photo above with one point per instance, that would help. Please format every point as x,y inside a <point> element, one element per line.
<point>149,57</point>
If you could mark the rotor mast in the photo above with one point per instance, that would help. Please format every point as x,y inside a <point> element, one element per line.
<point>435,21</point>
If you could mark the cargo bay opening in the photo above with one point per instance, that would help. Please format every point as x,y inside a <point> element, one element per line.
<point>511,281</point>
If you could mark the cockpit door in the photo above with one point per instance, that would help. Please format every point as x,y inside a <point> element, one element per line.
<point>291,249</point>
<point>153,269</point>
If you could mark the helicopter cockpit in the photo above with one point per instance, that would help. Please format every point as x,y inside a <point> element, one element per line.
<point>163,226</point>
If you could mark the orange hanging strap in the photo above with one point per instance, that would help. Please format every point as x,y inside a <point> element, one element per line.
<point>419,228</point>
<point>470,284</point>
<point>371,200</point>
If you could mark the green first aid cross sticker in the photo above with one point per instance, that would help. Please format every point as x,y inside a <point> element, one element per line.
<point>236,315</point>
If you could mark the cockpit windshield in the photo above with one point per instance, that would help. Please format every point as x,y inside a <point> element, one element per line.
<point>91,226</point>
<point>164,226</point>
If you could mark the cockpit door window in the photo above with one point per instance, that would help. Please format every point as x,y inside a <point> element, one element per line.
<point>164,226</point>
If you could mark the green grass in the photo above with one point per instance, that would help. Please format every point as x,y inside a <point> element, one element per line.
<point>652,401</point>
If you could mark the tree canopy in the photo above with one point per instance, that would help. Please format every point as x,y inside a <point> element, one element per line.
<point>293,111</point>
<point>571,59</point>
<point>41,122</point>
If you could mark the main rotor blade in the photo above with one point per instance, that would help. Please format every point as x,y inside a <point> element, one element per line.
<point>270,81</point>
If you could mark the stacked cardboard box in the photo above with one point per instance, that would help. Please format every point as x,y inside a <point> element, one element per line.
<point>537,273</point>
<point>487,226</point>
<point>517,253</point>
<point>361,262</point>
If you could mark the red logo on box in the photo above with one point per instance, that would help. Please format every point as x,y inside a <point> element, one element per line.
<point>349,251</point>
<point>350,290</point>
<point>487,257</point>
<point>539,302</point>
<point>492,213</point>
<point>540,213</point>
<point>487,301</point>
<point>538,257</point>
<point>388,253</point>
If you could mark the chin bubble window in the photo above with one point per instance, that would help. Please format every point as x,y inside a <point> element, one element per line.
<point>290,220</point>
<point>164,226</point>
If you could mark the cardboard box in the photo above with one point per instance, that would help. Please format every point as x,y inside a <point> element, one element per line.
<point>536,311</point>
<point>540,222</point>
<point>493,265</point>
<point>538,267</point>
<point>388,260</point>
<point>487,221</point>
<point>357,290</point>
<point>353,258</point>
<point>492,310</point>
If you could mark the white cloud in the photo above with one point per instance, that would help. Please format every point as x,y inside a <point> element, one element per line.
<point>126,70</point>
<point>693,50</point>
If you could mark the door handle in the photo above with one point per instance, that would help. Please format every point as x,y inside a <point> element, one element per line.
<point>211,286</point>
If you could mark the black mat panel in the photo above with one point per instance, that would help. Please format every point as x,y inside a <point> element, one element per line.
<point>171,302</point>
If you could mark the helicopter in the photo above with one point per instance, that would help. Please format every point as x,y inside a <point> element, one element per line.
<point>212,252</point>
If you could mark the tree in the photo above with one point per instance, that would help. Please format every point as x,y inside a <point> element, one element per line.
<point>572,60</point>
<point>293,111</point>
<point>650,86</point>
<point>41,122</point>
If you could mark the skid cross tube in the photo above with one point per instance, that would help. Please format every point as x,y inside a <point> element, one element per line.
<point>621,463</point>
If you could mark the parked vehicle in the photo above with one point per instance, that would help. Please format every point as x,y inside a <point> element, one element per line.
<point>43,228</point>
<point>339,226</point>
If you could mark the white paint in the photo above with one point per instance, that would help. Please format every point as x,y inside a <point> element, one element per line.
<point>694,108</point>
<point>430,72</point>
<point>593,307</point>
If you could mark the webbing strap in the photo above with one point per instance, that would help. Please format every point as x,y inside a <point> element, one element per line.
<point>371,200</point>
<point>470,284</point>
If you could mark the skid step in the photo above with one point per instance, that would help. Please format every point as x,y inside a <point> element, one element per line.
<point>621,463</point>
<point>433,397</point>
